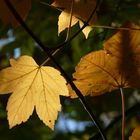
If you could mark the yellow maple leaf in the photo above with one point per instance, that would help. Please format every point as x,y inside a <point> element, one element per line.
<point>117,66</point>
<point>135,134</point>
<point>81,12</point>
<point>22,7</point>
<point>32,86</point>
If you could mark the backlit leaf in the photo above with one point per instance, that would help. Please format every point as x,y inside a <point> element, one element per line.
<point>118,65</point>
<point>32,87</point>
<point>135,134</point>
<point>81,12</point>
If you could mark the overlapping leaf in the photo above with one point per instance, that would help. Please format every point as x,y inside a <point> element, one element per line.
<point>118,65</point>
<point>81,12</point>
<point>22,7</point>
<point>32,87</point>
<point>135,134</point>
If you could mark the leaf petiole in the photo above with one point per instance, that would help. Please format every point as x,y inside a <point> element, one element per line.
<point>123,113</point>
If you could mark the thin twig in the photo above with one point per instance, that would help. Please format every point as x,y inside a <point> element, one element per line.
<point>68,32</point>
<point>115,28</point>
<point>123,113</point>
<point>70,22</point>
<point>45,3</point>
<point>47,51</point>
<point>134,109</point>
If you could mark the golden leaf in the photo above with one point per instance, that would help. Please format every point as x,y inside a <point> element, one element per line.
<point>32,86</point>
<point>118,65</point>
<point>63,21</point>
<point>135,134</point>
<point>81,12</point>
<point>22,7</point>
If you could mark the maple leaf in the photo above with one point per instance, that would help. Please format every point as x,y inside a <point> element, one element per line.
<point>22,7</point>
<point>135,134</point>
<point>81,12</point>
<point>32,86</point>
<point>117,66</point>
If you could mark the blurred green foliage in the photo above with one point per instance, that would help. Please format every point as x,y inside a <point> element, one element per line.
<point>73,122</point>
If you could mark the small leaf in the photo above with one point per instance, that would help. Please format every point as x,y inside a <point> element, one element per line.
<point>63,21</point>
<point>118,65</point>
<point>135,134</point>
<point>22,7</point>
<point>81,12</point>
<point>32,86</point>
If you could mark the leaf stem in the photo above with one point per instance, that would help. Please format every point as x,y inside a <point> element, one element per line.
<point>67,35</point>
<point>115,28</point>
<point>123,113</point>
<point>47,50</point>
<point>70,21</point>
<point>134,109</point>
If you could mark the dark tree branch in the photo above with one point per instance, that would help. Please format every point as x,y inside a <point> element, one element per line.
<point>47,51</point>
